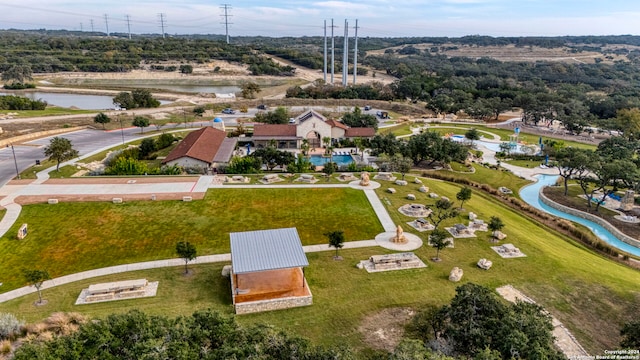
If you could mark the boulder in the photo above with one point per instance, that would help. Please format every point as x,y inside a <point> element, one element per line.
<point>401,182</point>
<point>226,271</point>
<point>411,197</point>
<point>472,216</point>
<point>417,181</point>
<point>434,196</point>
<point>485,264</point>
<point>423,189</point>
<point>456,274</point>
<point>391,190</point>
<point>499,235</point>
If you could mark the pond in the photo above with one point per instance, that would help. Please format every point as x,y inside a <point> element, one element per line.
<point>67,100</point>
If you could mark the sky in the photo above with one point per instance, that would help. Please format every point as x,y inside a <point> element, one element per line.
<point>376,18</point>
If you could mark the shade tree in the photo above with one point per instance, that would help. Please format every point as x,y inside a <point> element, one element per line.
<point>60,149</point>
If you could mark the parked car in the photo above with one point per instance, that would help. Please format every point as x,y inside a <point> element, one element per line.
<point>228,111</point>
<point>367,108</point>
<point>262,107</point>
<point>292,120</point>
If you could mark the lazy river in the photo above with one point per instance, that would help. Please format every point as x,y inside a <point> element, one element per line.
<point>529,194</point>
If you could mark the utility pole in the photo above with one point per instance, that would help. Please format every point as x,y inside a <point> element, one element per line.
<point>324,58</point>
<point>332,52</point>
<point>15,161</point>
<point>355,55</point>
<point>161,15</point>
<point>345,54</point>
<point>129,25</point>
<point>106,22</point>
<point>226,15</point>
<point>91,21</point>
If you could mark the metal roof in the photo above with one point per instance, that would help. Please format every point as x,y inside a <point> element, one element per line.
<point>263,250</point>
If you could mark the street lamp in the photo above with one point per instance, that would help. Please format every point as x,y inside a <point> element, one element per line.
<point>15,161</point>
<point>121,129</point>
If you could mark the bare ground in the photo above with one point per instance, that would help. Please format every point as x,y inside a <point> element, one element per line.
<point>384,330</point>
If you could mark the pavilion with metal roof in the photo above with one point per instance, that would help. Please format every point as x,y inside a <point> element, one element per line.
<point>267,266</point>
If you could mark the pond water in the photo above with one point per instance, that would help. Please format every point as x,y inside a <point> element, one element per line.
<point>80,101</point>
<point>530,194</point>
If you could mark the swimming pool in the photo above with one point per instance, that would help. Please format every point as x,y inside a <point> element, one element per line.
<point>495,147</point>
<point>341,160</point>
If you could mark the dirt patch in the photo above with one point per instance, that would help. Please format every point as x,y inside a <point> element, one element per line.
<point>41,199</point>
<point>384,330</point>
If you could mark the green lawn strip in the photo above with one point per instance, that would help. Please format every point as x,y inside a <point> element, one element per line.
<point>553,273</point>
<point>493,178</point>
<point>49,111</point>
<point>73,237</point>
<point>103,154</point>
<point>461,129</point>
<point>523,163</point>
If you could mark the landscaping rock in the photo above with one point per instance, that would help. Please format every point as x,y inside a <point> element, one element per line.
<point>485,264</point>
<point>401,182</point>
<point>434,196</point>
<point>411,197</point>
<point>472,216</point>
<point>423,189</point>
<point>391,190</point>
<point>417,181</point>
<point>499,235</point>
<point>456,274</point>
<point>226,270</point>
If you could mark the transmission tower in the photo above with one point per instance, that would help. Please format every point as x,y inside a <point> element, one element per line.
<point>129,25</point>
<point>91,21</point>
<point>333,50</point>
<point>162,19</point>
<point>106,23</point>
<point>355,55</point>
<point>345,54</point>
<point>226,8</point>
<point>80,27</point>
<point>324,58</point>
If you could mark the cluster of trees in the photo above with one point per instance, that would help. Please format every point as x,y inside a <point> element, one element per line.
<point>613,166</point>
<point>138,98</point>
<point>16,77</point>
<point>278,116</point>
<point>428,147</point>
<point>49,52</point>
<point>357,119</point>
<point>321,90</point>
<point>131,160</point>
<point>12,102</point>
<point>203,335</point>
<point>477,324</point>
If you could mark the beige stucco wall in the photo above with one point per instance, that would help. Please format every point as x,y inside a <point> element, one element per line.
<point>314,124</point>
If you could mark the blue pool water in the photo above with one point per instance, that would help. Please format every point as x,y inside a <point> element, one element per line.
<point>341,160</point>
<point>530,195</point>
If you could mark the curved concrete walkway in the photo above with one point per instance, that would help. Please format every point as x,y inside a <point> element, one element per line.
<point>13,294</point>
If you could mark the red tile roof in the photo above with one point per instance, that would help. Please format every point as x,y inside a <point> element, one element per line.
<point>337,124</point>
<point>274,130</point>
<point>202,144</point>
<point>360,132</point>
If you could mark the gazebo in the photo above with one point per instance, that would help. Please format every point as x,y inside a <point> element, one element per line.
<point>268,271</point>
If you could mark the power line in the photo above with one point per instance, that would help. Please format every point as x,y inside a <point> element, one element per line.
<point>226,15</point>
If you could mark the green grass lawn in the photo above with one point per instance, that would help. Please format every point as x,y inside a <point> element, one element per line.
<point>524,163</point>
<point>72,237</point>
<point>49,111</point>
<point>591,295</point>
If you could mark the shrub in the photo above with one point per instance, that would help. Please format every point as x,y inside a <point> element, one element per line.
<point>9,325</point>
<point>165,140</point>
<point>5,347</point>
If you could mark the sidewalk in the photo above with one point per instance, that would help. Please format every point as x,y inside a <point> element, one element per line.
<point>207,259</point>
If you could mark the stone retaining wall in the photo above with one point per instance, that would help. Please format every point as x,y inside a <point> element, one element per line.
<point>26,137</point>
<point>605,224</point>
<point>274,304</point>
